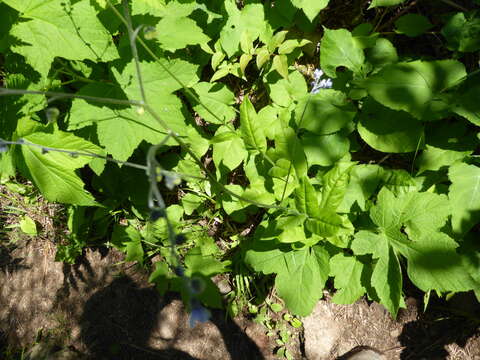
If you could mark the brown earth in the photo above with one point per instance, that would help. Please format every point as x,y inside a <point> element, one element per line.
<point>102,308</point>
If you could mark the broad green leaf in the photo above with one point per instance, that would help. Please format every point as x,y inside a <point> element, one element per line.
<point>416,86</point>
<point>412,25</point>
<point>338,48</point>
<point>434,158</point>
<point>292,229</point>
<point>382,53</point>
<point>301,282</point>
<point>284,92</point>
<point>134,251</point>
<point>231,152</point>
<point>263,55</point>
<point>217,98</point>
<point>465,100</point>
<point>311,8</point>
<point>335,183</point>
<point>464,195</point>
<point>399,182</point>
<point>250,19</point>
<point>324,113</point>
<point>433,264</point>
<point>462,33</point>
<point>56,28</point>
<point>281,65</point>
<point>206,264</point>
<point>306,200</point>
<point>326,224</point>
<point>251,129</point>
<point>386,277</point>
<point>290,45</point>
<point>364,180</point>
<point>377,3</point>
<point>191,202</point>
<point>54,172</point>
<point>175,30</point>
<point>347,271</point>
<point>325,150</point>
<point>28,226</point>
<point>389,131</point>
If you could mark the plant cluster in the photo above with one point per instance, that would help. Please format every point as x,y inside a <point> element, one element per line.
<point>306,139</point>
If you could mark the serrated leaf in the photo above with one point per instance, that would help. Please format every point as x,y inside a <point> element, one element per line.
<point>347,271</point>
<point>338,48</point>
<point>326,224</point>
<point>217,98</point>
<point>324,113</point>
<point>56,28</point>
<point>389,131</point>
<point>54,172</point>
<point>204,264</point>
<point>284,92</point>
<point>416,87</point>
<point>464,195</point>
<point>252,131</point>
<point>230,152</point>
<point>335,183</point>
<point>412,25</point>
<point>306,200</point>
<point>310,8</point>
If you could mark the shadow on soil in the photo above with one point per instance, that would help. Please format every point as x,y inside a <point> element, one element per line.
<point>442,324</point>
<point>118,321</point>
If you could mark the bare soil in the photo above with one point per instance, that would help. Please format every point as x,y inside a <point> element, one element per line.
<point>103,308</point>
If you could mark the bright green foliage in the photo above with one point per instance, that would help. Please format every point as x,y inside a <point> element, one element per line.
<point>377,3</point>
<point>464,196</point>
<point>462,33</point>
<point>370,176</point>
<point>338,48</point>
<point>412,25</point>
<point>58,28</point>
<point>347,271</point>
<point>416,86</point>
<point>388,130</point>
<point>54,172</point>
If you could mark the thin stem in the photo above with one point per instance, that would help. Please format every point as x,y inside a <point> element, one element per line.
<point>59,95</point>
<point>133,46</point>
<point>455,5</point>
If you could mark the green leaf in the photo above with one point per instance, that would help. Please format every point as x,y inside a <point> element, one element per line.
<point>465,100</point>
<point>462,33</point>
<point>377,3</point>
<point>306,200</point>
<point>310,8</point>
<point>206,264</point>
<point>386,277</point>
<point>324,113</point>
<point>251,129</point>
<point>54,172</point>
<point>464,195</point>
<point>175,30</point>
<point>335,183</point>
<point>284,92</point>
<point>28,226</point>
<point>290,45</point>
<point>389,131</point>
<point>382,53</point>
<point>191,202</point>
<point>433,264</point>
<point>58,29</point>
<point>250,19</point>
<point>325,150</point>
<point>280,63</point>
<point>412,25</point>
<point>326,224</point>
<point>231,152</point>
<point>416,86</point>
<point>216,97</point>
<point>339,48</point>
<point>347,271</point>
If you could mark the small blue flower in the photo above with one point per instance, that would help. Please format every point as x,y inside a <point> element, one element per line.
<point>319,83</point>
<point>198,314</point>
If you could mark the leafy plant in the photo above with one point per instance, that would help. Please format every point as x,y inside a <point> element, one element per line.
<point>370,176</point>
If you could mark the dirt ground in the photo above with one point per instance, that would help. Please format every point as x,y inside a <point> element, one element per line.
<point>102,308</point>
